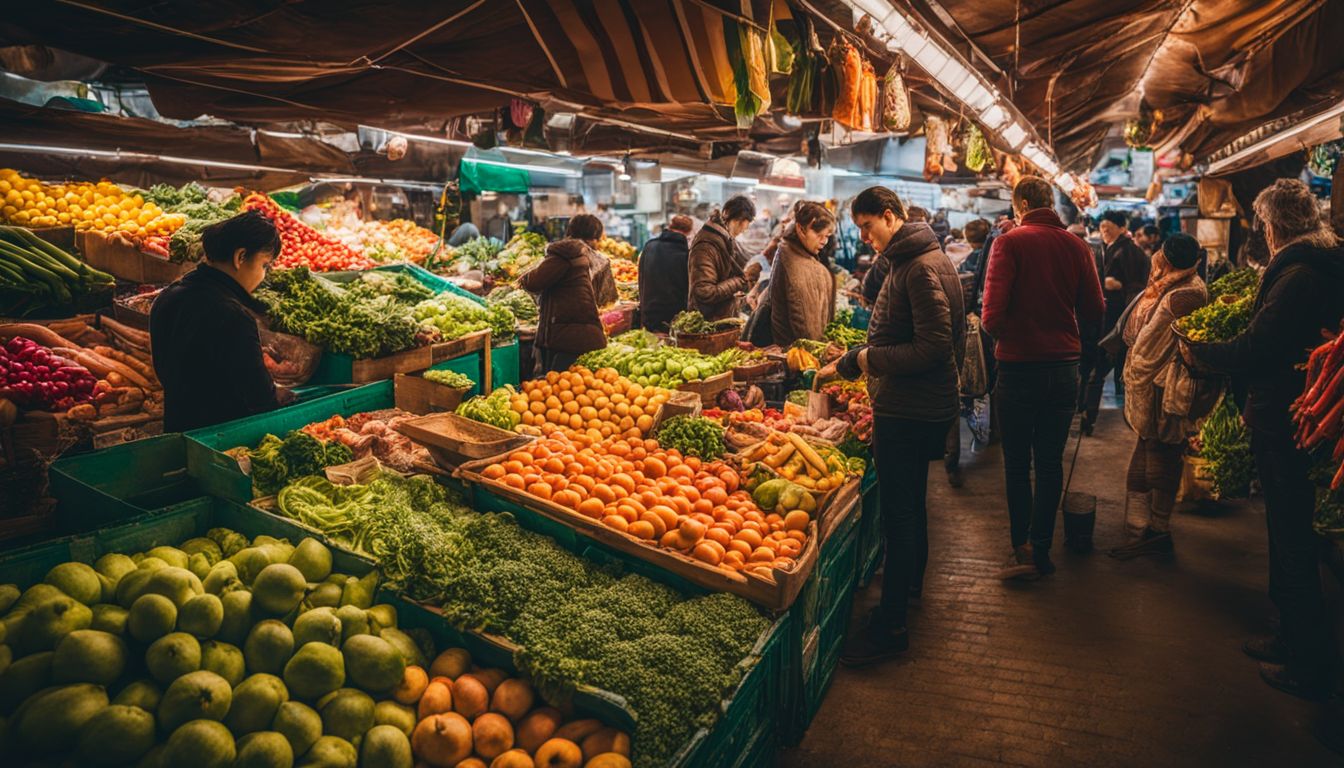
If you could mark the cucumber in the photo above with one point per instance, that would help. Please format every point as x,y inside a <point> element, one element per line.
<point>36,243</point>
<point>20,258</point>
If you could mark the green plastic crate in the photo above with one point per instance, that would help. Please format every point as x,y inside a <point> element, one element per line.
<point>504,365</point>
<point>100,488</point>
<point>217,473</point>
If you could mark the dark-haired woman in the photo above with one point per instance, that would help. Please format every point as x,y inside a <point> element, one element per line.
<point>565,285</point>
<point>802,288</point>
<point>207,352</point>
<point>716,263</point>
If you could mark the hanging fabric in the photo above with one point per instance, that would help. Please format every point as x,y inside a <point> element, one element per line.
<point>895,102</point>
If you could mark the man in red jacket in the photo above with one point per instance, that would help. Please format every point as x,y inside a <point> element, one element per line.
<point>1041,283</point>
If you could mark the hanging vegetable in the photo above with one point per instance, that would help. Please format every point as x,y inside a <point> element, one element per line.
<point>746,50</point>
<point>867,97</point>
<point>1139,130</point>
<point>937,148</point>
<point>848,67</point>
<point>978,156</point>
<point>895,102</point>
<point>779,53</point>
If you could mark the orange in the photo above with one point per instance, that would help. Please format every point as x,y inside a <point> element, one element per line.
<point>591,508</point>
<point>514,481</point>
<point>716,495</point>
<point>706,551</point>
<point>719,535</point>
<point>641,529</point>
<point>540,490</point>
<point>750,536</point>
<point>703,506</point>
<point>493,472</point>
<point>796,520</point>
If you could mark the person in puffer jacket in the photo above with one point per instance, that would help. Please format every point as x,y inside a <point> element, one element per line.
<point>915,338</point>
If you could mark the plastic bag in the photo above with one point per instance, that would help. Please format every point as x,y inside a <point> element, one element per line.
<point>867,96</point>
<point>847,65</point>
<point>974,374</point>
<point>976,412</point>
<point>290,359</point>
<point>895,102</point>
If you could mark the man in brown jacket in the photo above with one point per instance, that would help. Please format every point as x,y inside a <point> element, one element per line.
<point>715,264</point>
<point>916,332</point>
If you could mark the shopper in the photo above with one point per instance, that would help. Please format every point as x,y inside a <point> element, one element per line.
<point>1162,401</point>
<point>911,363</point>
<point>1040,283</point>
<point>1089,333</point>
<point>568,325</point>
<point>205,344</point>
<point>976,231</point>
<point>802,288</point>
<point>1149,238</point>
<point>1124,277</point>
<point>716,262</point>
<point>663,275</point>
<point>1301,296</point>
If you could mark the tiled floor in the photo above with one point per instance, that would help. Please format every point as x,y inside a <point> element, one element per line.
<point>1106,663</point>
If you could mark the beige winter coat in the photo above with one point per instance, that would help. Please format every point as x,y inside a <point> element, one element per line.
<point>1158,388</point>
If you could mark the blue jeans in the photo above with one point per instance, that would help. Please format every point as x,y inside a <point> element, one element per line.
<point>1036,406</point>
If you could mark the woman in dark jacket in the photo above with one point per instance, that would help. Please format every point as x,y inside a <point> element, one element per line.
<point>915,335</point>
<point>207,352</point>
<point>663,275</point>
<point>1301,296</point>
<point>802,288</point>
<point>568,325</point>
<point>716,262</point>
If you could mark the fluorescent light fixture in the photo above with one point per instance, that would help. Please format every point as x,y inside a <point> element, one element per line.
<point>1127,200</point>
<point>567,172</point>
<point>741,180</point>
<point>994,118</point>
<point>431,139</point>
<point>1065,182</point>
<point>875,8</point>
<point>425,185</point>
<point>1273,139</point>
<point>844,172</point>
<point>1014,135</point>
<point>39,149</point>
<point>782,188</point>
<point>676,174</point>
<point>932,60</point>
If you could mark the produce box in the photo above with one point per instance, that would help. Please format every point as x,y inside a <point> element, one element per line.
<point>775,594</point>
<point>471,353</point>
<point>417,394</point>
<point>99,488</point>
<point>708,343</point>
<point>708,389</point>
<point>218,474</point>
<point>455,440</point>
<point>835,505</point>
<point>126,262</point>
<point>506,365</point>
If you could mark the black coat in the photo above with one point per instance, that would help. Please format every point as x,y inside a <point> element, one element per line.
<point>1301,294</point>
<point>207,352</point>
<point>1127,262</point>
<point>664,281</point>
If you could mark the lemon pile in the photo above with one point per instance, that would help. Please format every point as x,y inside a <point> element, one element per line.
<point>101,207</point>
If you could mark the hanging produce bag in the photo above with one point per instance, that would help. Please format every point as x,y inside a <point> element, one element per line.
<point>978,156</point>
<point>746,50</point>
<point>847,65</point>
<point>937,148</point>
<point>867,97</point>
<point>895,102</point>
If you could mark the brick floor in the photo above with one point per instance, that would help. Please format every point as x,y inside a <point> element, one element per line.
<point>1106,663</point>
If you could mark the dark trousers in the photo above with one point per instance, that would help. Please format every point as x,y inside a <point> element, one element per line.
<point>1103,366</point>
<point>1294,555</point>
<point>554,360</point>
<point>1036,407</point>
<point>902,450</point>
<point>952,446</point>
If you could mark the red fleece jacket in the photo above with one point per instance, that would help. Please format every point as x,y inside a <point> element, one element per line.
<point>1041,282</point>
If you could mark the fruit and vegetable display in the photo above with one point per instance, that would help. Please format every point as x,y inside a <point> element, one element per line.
<point>1318,412</point>
<point>618,250</point>
<point>1225,445</point>
<point>36,276</point>
<point>215,653</point>
<point>841,331</point>
<point>47,367</point>
<point>374,433</point>
<point>693,323</point>
<point>660,366</point>
<point>398,285</point>
<point>338,320</point>
<point>303,246</point>
<point>693,436</point>
<point>660,497</point>
<point>192,202</point>
<point>495,409</point>
<point>597,403</point>
<point>456,316</point>
<point>449,379</point>
<point>97,207</point>
<point>477,253</point>
<point>800,359</point>
<point>277,461</point>
<point>1238,282</point>
<point>817,468</point>
<point>850,403</point>
<point>671,657</point>
<point>623,271</point>
<point>1222,319</point>
<point>523,252</point>
<point>518,301</point>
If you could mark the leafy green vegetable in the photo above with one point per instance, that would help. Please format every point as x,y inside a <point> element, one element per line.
<point>693,436</point>
<point>1223,319</point>
<point>517,301</point>
<point>638,338</point>
<point>456,316</point>
<point>493,409</point>
<point>840,330</point>
<point>276,461</point>
<point>449,379</point>
<point>399,285</point>
<point>335,319</point>
<point>1226,445</point>
<point>1238,282</point>
<point>478,252</point>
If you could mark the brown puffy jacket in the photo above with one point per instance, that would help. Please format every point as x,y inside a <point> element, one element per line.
<point>802,293</point>
<point>917,333</point>
<point>715,273</point>
<point>563,282</point>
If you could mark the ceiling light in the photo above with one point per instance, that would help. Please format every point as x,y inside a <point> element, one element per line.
<point>994,118</point>
<point>1014,135</point>
<point>741,180</point>
<point>782,188</point>
<point>1271,140</point>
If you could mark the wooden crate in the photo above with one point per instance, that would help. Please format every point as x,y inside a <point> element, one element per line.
<point>708,389</point>
<point>417,394</point>
<point>454,440</point>
<point>125,262</point>
<point>367,370</point>
<point>708,343</point>
<point>776,593</point>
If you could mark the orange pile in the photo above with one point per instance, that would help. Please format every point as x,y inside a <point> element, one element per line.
<point>599,405</point>
<point>660,497</point>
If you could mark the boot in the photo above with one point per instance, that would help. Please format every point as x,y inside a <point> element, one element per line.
<point>1150,542</point>
<point>1021,565</point>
